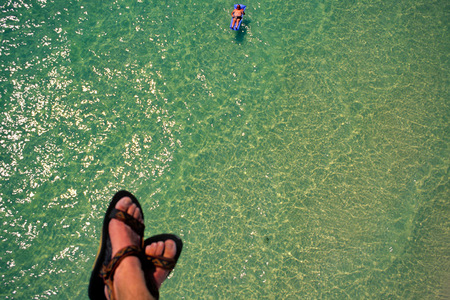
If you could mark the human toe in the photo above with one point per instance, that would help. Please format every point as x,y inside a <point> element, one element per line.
<point>126,204</point>
<point>164,249</point>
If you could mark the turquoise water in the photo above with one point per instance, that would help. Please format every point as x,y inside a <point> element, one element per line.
<point>303,157</point>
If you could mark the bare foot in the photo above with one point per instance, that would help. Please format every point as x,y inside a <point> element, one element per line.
<point>166,249</point>
<point>128,277</point>
<point>122,235</point>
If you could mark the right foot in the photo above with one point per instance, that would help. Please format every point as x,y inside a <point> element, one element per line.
<point>121,236</point>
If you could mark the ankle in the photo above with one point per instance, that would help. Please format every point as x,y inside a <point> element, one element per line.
<point>129,282</point>
<point>127,265</point>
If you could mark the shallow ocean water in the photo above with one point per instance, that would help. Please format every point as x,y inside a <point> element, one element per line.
<point>302,157</point>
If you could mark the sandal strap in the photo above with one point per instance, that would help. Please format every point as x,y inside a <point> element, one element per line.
<point>134,224</point>
<point>162,262</point>
<point>107,271</point>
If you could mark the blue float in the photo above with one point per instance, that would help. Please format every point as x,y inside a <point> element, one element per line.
<point>240,21</point>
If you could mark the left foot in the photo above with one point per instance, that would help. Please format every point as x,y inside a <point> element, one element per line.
<point>167,249</point>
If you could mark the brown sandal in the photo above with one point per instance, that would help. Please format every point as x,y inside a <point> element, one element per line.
<point>105,266</point>
<point>107,272</point>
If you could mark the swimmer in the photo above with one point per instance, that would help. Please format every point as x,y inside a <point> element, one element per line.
<point>237,16</point>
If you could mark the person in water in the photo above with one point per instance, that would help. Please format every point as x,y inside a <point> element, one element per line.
<point>237,16</point>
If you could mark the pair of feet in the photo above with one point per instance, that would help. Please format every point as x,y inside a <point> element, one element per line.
<point>129,278</point>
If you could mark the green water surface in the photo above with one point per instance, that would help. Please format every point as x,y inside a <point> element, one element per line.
<point>302,157</point>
